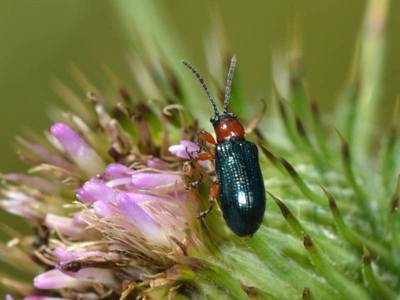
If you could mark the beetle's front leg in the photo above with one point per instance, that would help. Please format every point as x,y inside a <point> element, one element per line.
<point>202,154</point>
<point>192,174</point>
<point>204,136</point>
<point>214,192</point>
<point>192,169</point>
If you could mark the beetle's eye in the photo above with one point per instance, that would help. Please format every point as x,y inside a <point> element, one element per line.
<point>214,119</point>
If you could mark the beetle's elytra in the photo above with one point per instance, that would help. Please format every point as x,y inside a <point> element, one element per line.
<point>241,186</point>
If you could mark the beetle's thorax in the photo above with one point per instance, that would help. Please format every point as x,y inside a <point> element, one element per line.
<point>227,127</point>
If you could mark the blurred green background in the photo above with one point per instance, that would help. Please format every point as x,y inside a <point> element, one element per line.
<point>42,39</point>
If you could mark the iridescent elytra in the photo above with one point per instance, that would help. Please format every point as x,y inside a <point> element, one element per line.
<point>239,179</point>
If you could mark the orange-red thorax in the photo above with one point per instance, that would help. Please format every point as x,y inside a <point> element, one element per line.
<point>228,128</point>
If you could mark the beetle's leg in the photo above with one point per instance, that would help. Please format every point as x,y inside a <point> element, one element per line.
<point>196,175</point>
<point>192,173</point>
<point>204,136</point>
<point>194,184</point>
<point>256,119</point>
<point>192,168</point>
<point>190,154</point>
<point>205,156</point>
<point>200,154</point>
<point>214,192</point>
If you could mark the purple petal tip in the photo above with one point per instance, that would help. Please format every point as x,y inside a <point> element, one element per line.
<point>60,130</point>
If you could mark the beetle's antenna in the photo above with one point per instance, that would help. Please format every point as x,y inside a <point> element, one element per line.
<point>228,86</point>
<point>203,84</point>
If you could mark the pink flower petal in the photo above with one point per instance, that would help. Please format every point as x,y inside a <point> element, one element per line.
<point>79,220</point>
<point>32,181</point>
<point>95,190</point>
<point>64,255</point>
<point>20,208</point>
<point>184,148</point>
<point>79,151</point>
<point>144,180</point>
<point>115,170</point>
<point>105,209</point>
<point>95,275</point>
<point>65,226</point>
<point>140,198</point>
<point>138,217</point>
<point>55,279</point>
<point>46,155</point>
<point>157,163</point>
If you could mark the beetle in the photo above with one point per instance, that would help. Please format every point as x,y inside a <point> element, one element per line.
<point>240,185</point>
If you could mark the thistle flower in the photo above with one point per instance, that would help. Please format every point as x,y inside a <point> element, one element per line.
<point>114,197</point>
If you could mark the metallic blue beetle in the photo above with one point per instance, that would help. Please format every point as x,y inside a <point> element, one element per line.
<point>240,182</point>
